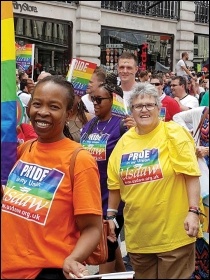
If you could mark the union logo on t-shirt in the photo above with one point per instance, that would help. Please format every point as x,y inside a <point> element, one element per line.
<point>140,167</point>
<point>30,190</point>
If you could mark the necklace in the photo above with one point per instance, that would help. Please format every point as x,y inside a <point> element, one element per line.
<point>183,97</point>
<point>101,130</point>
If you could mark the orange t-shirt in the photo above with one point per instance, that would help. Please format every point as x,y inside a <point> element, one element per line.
<point>39,207</point>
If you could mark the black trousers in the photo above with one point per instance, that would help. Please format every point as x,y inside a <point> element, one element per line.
<point>112,246</point>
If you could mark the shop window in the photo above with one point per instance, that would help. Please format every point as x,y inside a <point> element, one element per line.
<point>201,49</point>
<point>149,48</point>
<point>52,39</point>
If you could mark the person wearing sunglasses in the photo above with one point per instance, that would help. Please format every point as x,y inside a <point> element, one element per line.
<point>150,171</point>
<point>97,79</point>
<point>99,136</point>
<point>170,107</point>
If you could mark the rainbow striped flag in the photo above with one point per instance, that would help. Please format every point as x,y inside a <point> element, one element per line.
<point>8,91</point>
<point>24,56</point>
<point>79,74</point>
<point>118,107</point>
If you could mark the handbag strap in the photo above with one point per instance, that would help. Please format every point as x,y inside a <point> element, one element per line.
<point>72,164</point>
<point>206,111</point>
<point>25,146</point>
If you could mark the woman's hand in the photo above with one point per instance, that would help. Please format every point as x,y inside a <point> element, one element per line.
<point>89,225</point>
<point>129,122</point>
<point>202,151</point>
<point>73,269</point>
<point>112,236</point>
<point>191,224</point>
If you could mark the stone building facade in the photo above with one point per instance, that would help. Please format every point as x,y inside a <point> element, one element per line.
<point>87,19</point>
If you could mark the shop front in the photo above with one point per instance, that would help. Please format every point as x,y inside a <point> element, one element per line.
<point>149,49</point>
<point>51,37</point>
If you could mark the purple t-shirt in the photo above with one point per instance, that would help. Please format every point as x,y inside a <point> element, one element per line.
<point>100,142</point>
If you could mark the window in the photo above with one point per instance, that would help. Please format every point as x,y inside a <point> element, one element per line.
<point>52,39</point>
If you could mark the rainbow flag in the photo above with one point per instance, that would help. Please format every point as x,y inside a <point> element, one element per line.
<point>24,56</point>
<point>79,74</point>
<point>8,91</point>
<point>118,108</point>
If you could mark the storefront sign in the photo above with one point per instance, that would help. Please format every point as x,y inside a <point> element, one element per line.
<point>144,48</point>
<point>24,7</point>
<point>114,46</point>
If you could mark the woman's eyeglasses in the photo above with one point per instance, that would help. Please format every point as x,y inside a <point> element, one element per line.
<point>139,107</point>
<point>97,99</point>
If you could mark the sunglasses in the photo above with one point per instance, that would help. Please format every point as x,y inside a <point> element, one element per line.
<point>155,84</point>
<point>97,99</point>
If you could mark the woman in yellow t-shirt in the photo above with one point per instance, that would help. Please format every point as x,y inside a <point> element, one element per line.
<point>153,169</point>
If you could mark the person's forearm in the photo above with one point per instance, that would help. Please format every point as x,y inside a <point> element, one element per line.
<point>193,190</point>
<point>89,226</point>
<point>113,200</point>
<point>193,91</point>
<point>188,72</point>
<point>84,247</point>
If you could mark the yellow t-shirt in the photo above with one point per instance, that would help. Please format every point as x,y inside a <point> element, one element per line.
<point>148,170</point>
<point>39,207</point>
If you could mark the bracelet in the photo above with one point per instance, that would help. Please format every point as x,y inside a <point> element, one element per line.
<point>194,208</point>
<point>112,210</point>
<point>113,218</point>
<point>197,212</point>
<point>115,222</point>
<point>194,211</point>
<point>110,217</point>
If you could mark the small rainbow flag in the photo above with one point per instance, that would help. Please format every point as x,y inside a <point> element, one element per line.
<point>162,114</point>
<point>79,74</point>
<point>8,91</point>
<point>118,108</point>
<point>24,56</point>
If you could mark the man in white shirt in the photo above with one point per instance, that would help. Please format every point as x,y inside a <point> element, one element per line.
<point>181,67</point>
<point>98,78</point>
<point>127,68</point>
<point>178,87</point>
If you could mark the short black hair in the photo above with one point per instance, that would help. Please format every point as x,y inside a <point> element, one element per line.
<point>111,85</point>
